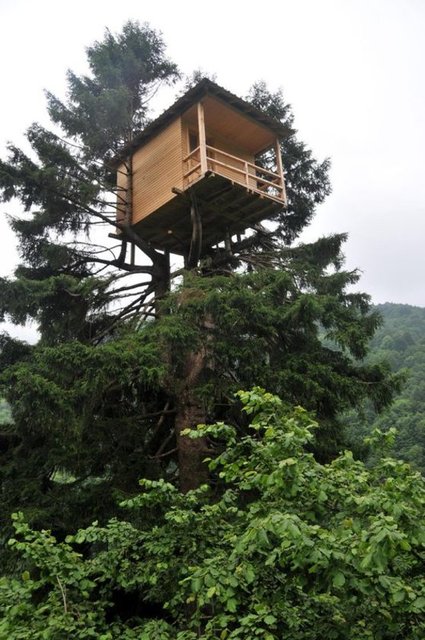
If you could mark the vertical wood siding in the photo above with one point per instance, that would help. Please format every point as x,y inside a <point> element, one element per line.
<point>157,168</point>
<point>121,191</point>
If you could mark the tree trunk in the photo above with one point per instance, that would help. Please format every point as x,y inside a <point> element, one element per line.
<point>191,452</point>
<point>161,280</point>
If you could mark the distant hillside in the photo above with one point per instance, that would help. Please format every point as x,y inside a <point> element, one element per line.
<point>403,326</point>
<point>401,341</point>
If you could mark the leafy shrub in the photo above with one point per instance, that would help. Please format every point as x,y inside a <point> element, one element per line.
<point>279,546</point>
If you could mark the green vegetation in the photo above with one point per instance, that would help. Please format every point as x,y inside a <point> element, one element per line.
<point>401,341</point>
<point>5,416</point>
<point>268,540</point>
<point>281,547</point>
<point>122,368</point>
<point>105,415</point>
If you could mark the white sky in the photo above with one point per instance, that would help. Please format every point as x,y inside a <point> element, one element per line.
<point>352,70</point>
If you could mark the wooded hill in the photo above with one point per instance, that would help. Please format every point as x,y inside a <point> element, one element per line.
<point>401,341</point>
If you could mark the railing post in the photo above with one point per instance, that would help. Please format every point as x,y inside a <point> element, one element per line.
<point>280,169</point>
<point>246,173</point>
<point>202,138</point>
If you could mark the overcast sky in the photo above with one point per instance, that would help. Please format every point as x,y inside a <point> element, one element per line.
<point>353,71</point>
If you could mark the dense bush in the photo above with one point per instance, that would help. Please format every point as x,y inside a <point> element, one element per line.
<point>278,547</point>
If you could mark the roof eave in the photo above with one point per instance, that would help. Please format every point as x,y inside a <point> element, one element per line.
<point>192,96</point>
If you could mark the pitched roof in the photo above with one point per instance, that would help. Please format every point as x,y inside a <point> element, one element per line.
<point>200,90</point>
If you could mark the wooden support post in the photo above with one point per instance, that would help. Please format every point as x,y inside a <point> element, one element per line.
<point>128,214</point>
<point>228,243</point>
<point>280,169</point>
<point>202,139</point>
<point>196,241</point>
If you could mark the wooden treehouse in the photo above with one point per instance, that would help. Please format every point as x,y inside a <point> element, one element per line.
<point>200,162</point>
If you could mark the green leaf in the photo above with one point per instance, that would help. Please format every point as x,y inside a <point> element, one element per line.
<point>338,579</point>
<point>231,605</point>
<point>398,596</point>
<point>211,591</point>
<point>419,604</point>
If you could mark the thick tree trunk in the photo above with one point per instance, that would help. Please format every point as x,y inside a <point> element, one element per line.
<point>191,452</point>
<point>161,280</point>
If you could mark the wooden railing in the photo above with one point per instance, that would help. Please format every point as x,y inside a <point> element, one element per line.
<point>255,178</point>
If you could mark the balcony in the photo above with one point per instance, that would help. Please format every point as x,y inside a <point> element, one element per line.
<point>210,160</point>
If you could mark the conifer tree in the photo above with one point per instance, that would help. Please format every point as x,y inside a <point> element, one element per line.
<point>103,398</point>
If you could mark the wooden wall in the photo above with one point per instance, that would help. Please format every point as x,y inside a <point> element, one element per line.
<point>157,168</point>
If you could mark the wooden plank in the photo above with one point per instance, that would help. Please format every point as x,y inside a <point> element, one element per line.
<point>121,191</point>
<point>224,206</point>
<point>280,168</point>
<point>238,127</point>
<point>242,161</point>
<point>195,168</point>
<point>189,155</point>
<point>202,137</point>
<point>157,168</point>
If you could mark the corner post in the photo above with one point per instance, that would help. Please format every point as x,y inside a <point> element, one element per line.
<point>280,169</point>
<point>202,139</point>
<point>128,214</point>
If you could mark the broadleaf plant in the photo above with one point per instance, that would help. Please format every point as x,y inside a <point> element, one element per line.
<point>280,547</point>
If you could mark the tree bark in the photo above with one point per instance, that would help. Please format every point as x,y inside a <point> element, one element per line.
<point>189,413</point>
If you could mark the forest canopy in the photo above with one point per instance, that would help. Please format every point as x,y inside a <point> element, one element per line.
<point>401,342</point>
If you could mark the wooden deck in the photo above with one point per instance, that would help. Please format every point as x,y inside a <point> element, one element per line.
<point>238,170</point>
<point>224,204</point>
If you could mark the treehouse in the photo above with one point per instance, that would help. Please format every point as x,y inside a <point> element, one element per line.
<point>209,153</point>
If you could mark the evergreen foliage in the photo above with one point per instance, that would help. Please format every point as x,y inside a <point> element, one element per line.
<point>100,416</point>
<point>67,186</point>
<point>283,548</point>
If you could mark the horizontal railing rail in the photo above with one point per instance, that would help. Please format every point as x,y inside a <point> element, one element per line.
<point>191,155</point>
<point>256,178</point>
